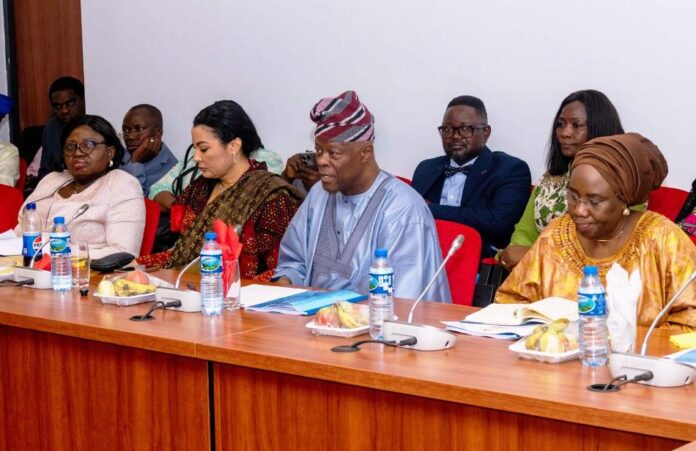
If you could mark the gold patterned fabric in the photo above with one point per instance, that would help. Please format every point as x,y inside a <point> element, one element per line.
<point>661,251</point>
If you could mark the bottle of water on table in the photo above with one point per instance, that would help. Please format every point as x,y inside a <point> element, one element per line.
<point>212,292</point>
<point>593,337</point>
<point>31,235</point>
<point>61,266</point>
<point>381,289</point>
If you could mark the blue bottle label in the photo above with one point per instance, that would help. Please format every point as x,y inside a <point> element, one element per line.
<point>592,304</point>
<point>211,264</point>
<point>60,244</point>
<point>31,243</point>
<point>381,284</point>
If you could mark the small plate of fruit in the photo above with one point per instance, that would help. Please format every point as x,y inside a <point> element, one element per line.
<point>131,288</point>
<point>342,319</point>
<point>552,343</point>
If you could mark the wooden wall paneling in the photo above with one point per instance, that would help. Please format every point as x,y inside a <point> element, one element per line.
<point>47,44</point>
<point>59,392</point>
<point>264,410</point>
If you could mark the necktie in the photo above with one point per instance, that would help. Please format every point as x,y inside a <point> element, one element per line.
<point>451,170</point>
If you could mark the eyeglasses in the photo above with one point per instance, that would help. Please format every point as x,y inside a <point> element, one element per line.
<point>135,131</point>
<point>591,204</point>
<point>86,147</point>
<point>69,104</point>
<point>465,131</point>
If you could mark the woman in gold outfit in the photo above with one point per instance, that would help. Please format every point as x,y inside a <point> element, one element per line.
<point>607,175</point>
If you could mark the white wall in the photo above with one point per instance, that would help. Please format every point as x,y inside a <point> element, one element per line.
<point>406,59</point>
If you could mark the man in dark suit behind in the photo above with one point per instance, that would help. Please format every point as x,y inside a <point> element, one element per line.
<point>470,184</point>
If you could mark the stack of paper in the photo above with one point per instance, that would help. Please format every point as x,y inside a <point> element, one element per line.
<point>491,330</point>
<point>10,244</point>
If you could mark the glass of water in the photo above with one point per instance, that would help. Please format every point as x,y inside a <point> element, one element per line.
<point>80,265</point>
<point>232,295</point>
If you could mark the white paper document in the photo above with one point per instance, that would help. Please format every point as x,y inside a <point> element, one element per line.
<point>10,244</point>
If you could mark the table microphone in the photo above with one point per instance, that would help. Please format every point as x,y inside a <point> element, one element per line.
<point>189,300</point>
<point>428,338</point>
<point>42,278</point>
<point>666,372</point>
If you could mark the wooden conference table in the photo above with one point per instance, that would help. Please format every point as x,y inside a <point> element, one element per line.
<point>77,374</point>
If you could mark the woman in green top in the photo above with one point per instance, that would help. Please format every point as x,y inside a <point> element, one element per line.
<point>582,116</point>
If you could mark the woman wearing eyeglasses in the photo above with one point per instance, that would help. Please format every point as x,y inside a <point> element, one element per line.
<point>607,175</point>
<point>582,116</point>
<point>115,219</point>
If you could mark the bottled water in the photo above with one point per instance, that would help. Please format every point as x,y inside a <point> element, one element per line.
<point>594,342</point>
<point>61,267</point>
<point>381,287</point>
<point>31,235</point>
<point>212,292</point>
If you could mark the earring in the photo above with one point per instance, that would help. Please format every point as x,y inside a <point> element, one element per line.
<point>152,140</point>
<point>234,158</point>
<point>111,163</point>
<point>626,211</point>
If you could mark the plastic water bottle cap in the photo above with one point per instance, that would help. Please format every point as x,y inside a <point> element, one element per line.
<point>31,206</point>
<point>210,236</point>
<point>381,253</point>
<point>590,270</point>
<point>59,220</point>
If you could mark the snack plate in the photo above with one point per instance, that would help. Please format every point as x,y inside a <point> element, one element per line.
<point>337,331</point>
<point>138,298</point>
<point>548,357</point>
<point>342,331</point>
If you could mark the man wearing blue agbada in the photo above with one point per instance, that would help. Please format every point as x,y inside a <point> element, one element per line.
<point>356,209</point>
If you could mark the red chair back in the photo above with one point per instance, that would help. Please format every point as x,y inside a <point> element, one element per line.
<point>12,200</point>
<point>22,175</point>
<point>667,201</point>
<point>404,179</point>
<point>152,215</point>
<point>463,266</point>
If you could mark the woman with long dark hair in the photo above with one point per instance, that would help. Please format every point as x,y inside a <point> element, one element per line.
<point>582,116</point>
<point>233,188</point>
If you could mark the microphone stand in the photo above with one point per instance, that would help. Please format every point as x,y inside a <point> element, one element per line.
<point>665,372</point>
<point>427,338</point>
<point>188,300</point>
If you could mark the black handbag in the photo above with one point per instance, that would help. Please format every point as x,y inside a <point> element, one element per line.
<point>111,262</point>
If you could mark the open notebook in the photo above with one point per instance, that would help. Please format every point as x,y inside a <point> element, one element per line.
<point>543,311</point>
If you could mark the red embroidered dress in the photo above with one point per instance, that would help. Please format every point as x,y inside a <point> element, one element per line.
<point>261,232</point>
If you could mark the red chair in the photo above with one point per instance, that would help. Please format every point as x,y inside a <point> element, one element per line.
<point>463,266</point>
<point>667,201</point>
<point>404,179</point>
<point>22,175</point>
<point>152,214</point>
<point>12,200</point>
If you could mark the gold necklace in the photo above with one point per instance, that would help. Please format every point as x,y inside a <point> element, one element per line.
<point>623,227</point>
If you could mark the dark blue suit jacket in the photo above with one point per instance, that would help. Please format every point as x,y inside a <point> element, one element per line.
<point>495,194</point>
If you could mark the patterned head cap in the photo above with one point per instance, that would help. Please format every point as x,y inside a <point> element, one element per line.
<point>343,119</point>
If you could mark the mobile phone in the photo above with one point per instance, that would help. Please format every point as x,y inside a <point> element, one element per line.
<point>309,159</point>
